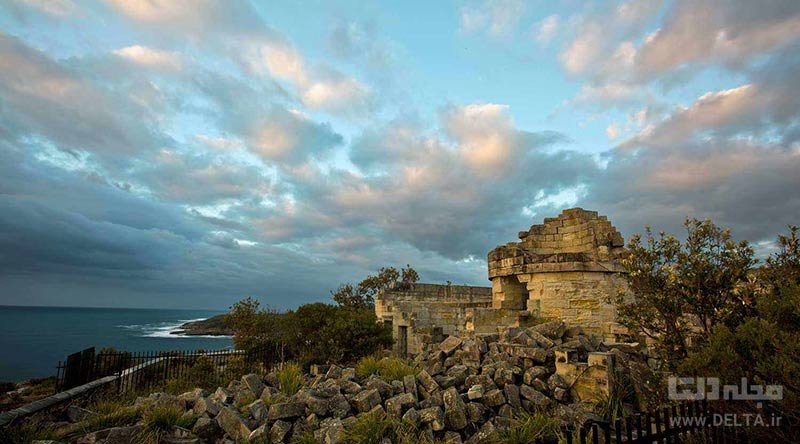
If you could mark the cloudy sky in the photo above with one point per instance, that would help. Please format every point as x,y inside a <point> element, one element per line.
<point>187,153</point>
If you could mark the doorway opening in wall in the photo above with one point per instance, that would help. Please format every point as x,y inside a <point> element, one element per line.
<point>402,341</point>
<point>438,335</point>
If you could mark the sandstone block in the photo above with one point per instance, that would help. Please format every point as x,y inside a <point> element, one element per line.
<point>366,400</point>
<point>233,424</point>
<point>253,382</point>
<point>286,410</point>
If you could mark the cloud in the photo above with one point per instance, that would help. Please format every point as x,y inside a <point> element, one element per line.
<point>612,131</point>
<point>201,179</point>
<point>290,137</point>
<point>598,33</point>
<point>704,32</point>
<point>546,29</point>
<point>609,94</point>
<point>150,57</point>
<point>320,87</point>
<point>58,8</point>
<point>44,98</point>
<point>497,17</point>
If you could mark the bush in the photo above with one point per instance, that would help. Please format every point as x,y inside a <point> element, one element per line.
<point>202,374</point>
<point>313,334</point>
<point>290,378</point>
<point>681,291</point>
<point>158,421</point>
<point>388,369</point>
<point>765,348</point>
<point>527,428</point>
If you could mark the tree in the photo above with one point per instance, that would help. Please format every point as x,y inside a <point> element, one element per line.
<point>363,295</point>
<point>765,346</point>
<point>679,289</point>
<point>324,334</point>
<point>255,327</point>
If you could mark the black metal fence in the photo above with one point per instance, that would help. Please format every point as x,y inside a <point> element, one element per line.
<point>137,370</point>
<point>689,421</point>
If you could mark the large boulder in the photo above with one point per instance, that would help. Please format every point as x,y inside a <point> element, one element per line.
<point>552,329</point>
<point>366,400</point>
<point>450,345</point>
<point>254,384</point>
<point>397,405</point>
<point>233,424</point>
<point>286,410</point>
<point>206,428</point>
<point>279,430</point>
<point>433,416</point>
<point>455,412</point>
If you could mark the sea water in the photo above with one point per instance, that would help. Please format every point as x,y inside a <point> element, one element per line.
<point>34,339</point>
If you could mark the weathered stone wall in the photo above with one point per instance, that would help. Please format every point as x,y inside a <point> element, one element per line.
<point>428,313</point>
<point>566,268</point>
<point>577,298</point>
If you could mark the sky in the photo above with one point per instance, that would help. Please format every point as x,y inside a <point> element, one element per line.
<point>190,153</point>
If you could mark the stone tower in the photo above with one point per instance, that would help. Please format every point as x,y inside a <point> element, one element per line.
<point>566,268</point>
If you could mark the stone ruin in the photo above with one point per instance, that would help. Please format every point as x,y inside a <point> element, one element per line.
<point>566,269</point>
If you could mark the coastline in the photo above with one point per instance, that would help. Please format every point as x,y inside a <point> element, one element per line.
<point>214,326</point>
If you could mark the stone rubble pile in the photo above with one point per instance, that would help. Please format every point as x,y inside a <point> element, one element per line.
<point>468,390</point>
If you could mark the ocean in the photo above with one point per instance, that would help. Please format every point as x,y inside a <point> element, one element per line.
<point>34,339</point>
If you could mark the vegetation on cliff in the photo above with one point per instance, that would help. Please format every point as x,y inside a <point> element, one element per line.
<point>321,333</point>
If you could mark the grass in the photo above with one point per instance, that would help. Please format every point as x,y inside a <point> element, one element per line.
<point>370,428</point>
<point>388,369</point>
<point>33,390</point>
<point>26,433</point>
<point>373,428</point>
<point>120,417</point>
<point>306,438</point>
<point>158,421</point>
<point>290,378</point>
<point>609,407</point>
<point>526,428</point>
<point>242,403</point>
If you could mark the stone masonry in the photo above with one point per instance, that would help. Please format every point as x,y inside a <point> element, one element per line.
<point>421,314</point>
<point>564,269</point>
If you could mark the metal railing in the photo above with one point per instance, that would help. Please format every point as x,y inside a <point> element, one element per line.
<point>146,369</point>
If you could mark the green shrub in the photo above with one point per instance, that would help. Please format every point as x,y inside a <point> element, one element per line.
<point>306,438</point>
<point>527,428</point>
<point>290,378</point>
<point>26,433</point>
<point>367,366</point>
<point>373,428</point>
<point>388,369</point>
<point>119,417</point>
<point>158,421</point>
<point>370,428</point>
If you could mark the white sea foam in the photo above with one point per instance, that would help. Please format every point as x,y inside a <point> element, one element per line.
<point>168,329</point>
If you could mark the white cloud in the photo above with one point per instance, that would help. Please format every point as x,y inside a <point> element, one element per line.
<point>58,8</point>
<point>612,131</point>
<point>546,29</point>
<point>597,34</point>
<point>150,57</point>
<point>707,31</point>
<point>608,94</point>
<point>497,17</point>
<point>318,87</point>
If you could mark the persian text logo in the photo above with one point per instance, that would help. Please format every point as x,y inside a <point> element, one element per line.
<point>689,388</point>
